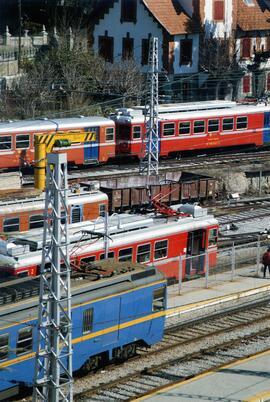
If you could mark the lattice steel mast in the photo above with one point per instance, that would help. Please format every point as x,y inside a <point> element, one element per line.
<point>149,162</point>
<point>53,371</point>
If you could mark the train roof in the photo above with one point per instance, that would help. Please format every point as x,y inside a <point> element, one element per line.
<point>136,115</point>
<point>86,237</point>
<point>53,124</point>
<point>35,203</point>
<point>19,297</point>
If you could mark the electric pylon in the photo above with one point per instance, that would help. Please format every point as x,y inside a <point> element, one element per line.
<point>53,380</point>
<point>149,162</point>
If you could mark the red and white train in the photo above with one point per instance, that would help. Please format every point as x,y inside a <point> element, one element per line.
<point>182,127</point>
<point>26,213</point>
<point>136,238</point>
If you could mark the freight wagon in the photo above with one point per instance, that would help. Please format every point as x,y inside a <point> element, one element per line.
<point>136,238</point>
<point>111,317</point>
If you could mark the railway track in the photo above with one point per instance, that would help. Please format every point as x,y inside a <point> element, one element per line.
<point>184,352</point>
<point>196,162</point>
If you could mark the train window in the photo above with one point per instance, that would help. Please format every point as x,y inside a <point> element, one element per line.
<point>88,320</point>
<point>22,141</point>
<point>109,134</point>
<point>184,127</point>
<point>125,254</point>
<point>136,132</point>
<point>88,259</point>
<point>63,219</point>
<point>168,129</point>
<point>102,209</point>
<point>241,122</point>
<point>4,346</point>
<point>110,255</point>
<point>213,236</point>
<point>143,253</point>
<point>213,125</point>
<point>76,214</point>
<point>158,303</point>
<point>161,249</point>
<point>227,124</point>
<point>5,142</point>
<point>11,225</point>
<point>36,221</point>
<point>199,126</point>
<point>24,340</point>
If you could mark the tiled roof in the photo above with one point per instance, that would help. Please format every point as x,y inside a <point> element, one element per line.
<point>170,15</point>
<point>253,18</point>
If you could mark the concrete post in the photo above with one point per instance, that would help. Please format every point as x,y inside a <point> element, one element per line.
<point>206,268</point>
<point>180,274</point>
<point>233,262</point>
<point>258,255</point>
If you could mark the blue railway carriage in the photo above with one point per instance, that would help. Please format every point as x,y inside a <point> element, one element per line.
<point>111,316</point>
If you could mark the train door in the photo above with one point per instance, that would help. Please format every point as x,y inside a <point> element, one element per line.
<point>266,131</point>
<point>76,214</point>
<point>91,148</point>
<point>195,249</point>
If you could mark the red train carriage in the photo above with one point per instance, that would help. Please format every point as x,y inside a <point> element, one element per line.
<point>23,214</point>
<point>17,140</point>
<point>197,126</point>
<point>143,239</point>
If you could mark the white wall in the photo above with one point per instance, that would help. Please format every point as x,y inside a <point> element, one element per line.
<point>144,26</point>
<point>222,28</point>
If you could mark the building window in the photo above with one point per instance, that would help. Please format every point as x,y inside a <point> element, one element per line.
<point>105,48</point>
<point>4,346</point>
<point>213,125</point>
<point>88,320</point>
<point>246,45</point>
<point>199,127</point>
<point>125,254</point>
<point>128,11</point>
<point>110,255</point>
<point>268,82</point>
<point>268,44</point>
<point>218,11</point>
<point>36,221</point>
<point>5,142</point>
<point>136,132</point>
<point>186,52</point>
<point>161,249</point>
<point>145,51</point>
<point>11,225</point>
<point>22,141</point>
<point>109,136</point>
<point>241,122</point>
<point>102,209</point>
<point>25,340</point>
<point>246,84</point>
<point>184,128</point>
<point>227,124</point>
<point>158,303</point>
<point>168,129</point>
<point>143,253</point>
<point>127,48</point>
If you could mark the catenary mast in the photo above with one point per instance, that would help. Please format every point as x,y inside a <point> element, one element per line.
<point>149,162</point>
<point>53,371</point>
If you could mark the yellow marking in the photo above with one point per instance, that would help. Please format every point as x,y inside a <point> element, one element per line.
<point>261,397</point>
<point>91,335</point>
<point>216,300</point>
<point>208,373</point>
<point>87,302</point>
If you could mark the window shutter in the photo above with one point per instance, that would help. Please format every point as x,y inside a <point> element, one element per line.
<point>219,10</point>
<point>246,42</point>
<point>246,84</point>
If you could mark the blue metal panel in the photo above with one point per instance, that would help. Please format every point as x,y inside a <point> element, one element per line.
<point>266,131</point>
<point>91,148</point>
